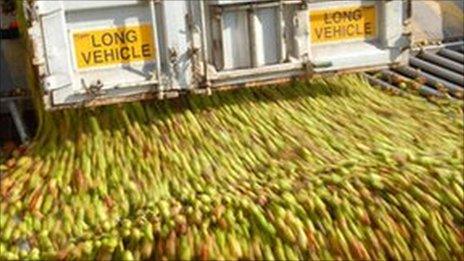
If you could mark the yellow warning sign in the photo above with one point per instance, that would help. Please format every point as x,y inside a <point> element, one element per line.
<point>120,45</point>
<point>340,24</point>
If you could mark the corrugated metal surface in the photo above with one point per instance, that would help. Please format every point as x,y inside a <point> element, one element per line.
<point>93,52</point>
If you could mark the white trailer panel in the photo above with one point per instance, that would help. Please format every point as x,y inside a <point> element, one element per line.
<point>99,52</point>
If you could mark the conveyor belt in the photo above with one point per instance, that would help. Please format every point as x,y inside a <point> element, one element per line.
<point>436,70</point>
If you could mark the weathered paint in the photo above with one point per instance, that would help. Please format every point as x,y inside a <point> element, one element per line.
<point>94,52</point>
